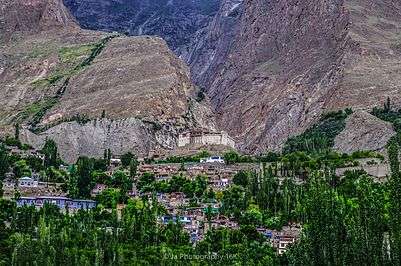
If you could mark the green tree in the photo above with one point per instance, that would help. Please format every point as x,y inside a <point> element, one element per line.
<point>21,169</point>
<point>122,181</point>
<point>109,198</point>
<point>51,153</point>
<point>234,200</point>
<point>395,204</point>
<point>17,131</point>
<point>35,163</point>
<point>146,179</point>
<point>107,156</point>
<point>387,105</point>
<point>4,162</point>
<point>72,185</point>
<point>126,159</point>
<point>231,157</point>
<point>241,178</point>
<point>252,216</point>
<point>133,167</point>
<point>84,173</point>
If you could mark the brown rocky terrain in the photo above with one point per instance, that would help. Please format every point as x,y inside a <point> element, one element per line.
<point>33,16</point>
<point>58,80</point>
<point>364,131</point>
<point>291,61</point>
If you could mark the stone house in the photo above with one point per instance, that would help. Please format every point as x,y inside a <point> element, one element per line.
<point>204,137</point>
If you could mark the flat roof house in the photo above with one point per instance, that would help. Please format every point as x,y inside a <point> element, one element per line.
<point>27,182</point>
<point>61,202</point>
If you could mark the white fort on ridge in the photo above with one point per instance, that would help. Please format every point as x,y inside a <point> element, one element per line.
<point>205,137</point>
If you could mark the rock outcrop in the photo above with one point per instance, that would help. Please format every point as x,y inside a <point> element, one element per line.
<point>364,131</point>
<point>90,90</point>
<point>284,61</point>
<point>32,16</point>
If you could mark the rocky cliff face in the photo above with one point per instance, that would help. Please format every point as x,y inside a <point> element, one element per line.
<point>90,90</point>
<point>93,137</point>
<point>210,49</point>
<point>372,70</point>
<point>290,61</point>
<point>285,59</point>
<point>364,131</point>
<point>176,21</point>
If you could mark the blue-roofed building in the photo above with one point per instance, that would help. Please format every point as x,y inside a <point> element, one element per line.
<point>61,202</point>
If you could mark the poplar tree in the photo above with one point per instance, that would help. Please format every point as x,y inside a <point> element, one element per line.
<point>395,202</point>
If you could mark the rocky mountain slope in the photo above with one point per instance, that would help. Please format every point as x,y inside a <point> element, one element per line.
<point>176,21</point>
<point>291,61</point>
<point>209,51</point>
<point>272,68</point>
<point>90,90</point>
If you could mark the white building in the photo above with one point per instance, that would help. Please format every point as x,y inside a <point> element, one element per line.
<point>202,137</point>
<point>115,161</point>
<point>213,159</point>
<point>27,182</point>
<point>284,242</point>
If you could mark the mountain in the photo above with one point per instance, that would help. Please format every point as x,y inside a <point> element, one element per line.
<point>272,68</point>
<point>176,21</point>
<point>88,90</point>
<point>291,61</point>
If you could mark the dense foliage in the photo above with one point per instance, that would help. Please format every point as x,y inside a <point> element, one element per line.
<point>321,136</point>
<point>387,113</point>
<point>99,237</point>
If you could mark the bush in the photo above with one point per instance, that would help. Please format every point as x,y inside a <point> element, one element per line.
<point>9,141</point>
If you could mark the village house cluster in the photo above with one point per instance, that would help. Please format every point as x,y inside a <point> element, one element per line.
<point>196,218</point>
<point>193,219</point>
<point>197,222</point>
<point>218,175</point>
